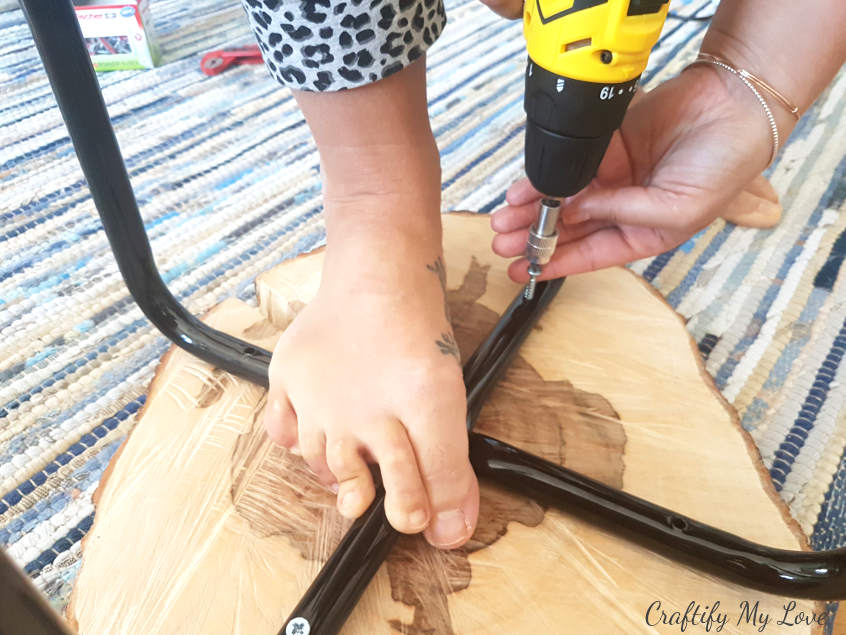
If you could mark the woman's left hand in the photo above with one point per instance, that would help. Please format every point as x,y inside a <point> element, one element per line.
<point>684,153</point>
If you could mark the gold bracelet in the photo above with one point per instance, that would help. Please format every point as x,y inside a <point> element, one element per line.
<point>754,83</point>
<point>792,108</point>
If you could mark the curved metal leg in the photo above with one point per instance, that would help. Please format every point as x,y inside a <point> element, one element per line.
<point>59,40</point>
<point>816,575</point>
<point>22,608</point>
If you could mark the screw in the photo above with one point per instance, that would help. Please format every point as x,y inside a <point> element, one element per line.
<point>298,626</point>
<point>534,272</point>
<point>529,291</point>
<point>605,57</point>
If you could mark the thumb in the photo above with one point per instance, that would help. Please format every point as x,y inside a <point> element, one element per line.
<point>630,205</point>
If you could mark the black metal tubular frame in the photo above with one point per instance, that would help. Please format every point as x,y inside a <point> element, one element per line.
<point>813,575</point>
<point>23,609</point>
<point>59,40</point>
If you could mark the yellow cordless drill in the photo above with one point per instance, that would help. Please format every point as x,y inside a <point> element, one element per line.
<point>585,58</point>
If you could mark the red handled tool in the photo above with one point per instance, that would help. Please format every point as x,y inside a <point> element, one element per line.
<point>215,62</point>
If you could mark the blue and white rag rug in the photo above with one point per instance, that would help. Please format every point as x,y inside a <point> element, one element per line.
<point>226,176</point>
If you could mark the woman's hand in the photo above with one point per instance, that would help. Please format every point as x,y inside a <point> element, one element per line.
<point>683,153</point>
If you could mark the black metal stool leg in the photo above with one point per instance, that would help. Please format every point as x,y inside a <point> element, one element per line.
<point>22,608</point>
<point>59,40</point>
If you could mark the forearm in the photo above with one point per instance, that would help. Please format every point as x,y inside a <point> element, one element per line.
<point>380,166</point>
<point>796,47</point>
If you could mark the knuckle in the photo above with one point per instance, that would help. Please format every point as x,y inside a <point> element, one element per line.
<point>396,460</point>
<point>406,497</point>
<point>338,454</point>
<point>350,481</point>
<point>315,460</point>
<point>318,467</point>
<point>587,254</point>
<point>450,482</point>
<point>398,520</point>
<point>615,216</point>
<point>656,242</point>
<point>447,478</point>
<point>400,511</point>
<point>280,429</point>
<point>281,435</point>
<point>391,439</point>
<point>287,419</point>
<point>313,452</point>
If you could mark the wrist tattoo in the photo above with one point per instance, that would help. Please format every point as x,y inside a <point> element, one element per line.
<point>446,344</point>
<point>439,270</point>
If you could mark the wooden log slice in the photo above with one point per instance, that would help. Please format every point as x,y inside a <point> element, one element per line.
<point>204,526</point>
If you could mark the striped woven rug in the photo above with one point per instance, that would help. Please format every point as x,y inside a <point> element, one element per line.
<point>227,180</point>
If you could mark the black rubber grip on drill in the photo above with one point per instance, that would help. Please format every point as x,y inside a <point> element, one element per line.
<point>569,124</point>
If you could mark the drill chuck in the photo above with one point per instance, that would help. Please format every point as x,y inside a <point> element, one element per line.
<point>543,238</point>
<point>543,235</point>
<point>569,124</point>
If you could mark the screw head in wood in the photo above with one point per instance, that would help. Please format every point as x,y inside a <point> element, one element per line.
<point>298,626</point>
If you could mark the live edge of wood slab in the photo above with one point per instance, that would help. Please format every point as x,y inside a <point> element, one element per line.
<point>203,526</point>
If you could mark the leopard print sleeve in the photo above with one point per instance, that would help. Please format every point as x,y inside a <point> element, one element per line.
<point>328,45</point>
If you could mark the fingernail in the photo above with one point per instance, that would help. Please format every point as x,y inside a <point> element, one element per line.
<point>449,528</point>
<point>418,518</point>
<point>334,488</point>
<point>495,220</point>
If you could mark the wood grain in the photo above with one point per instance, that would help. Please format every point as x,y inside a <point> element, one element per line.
<point>204,526</point>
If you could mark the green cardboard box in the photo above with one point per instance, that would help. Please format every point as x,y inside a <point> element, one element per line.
<point>119,35</point>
